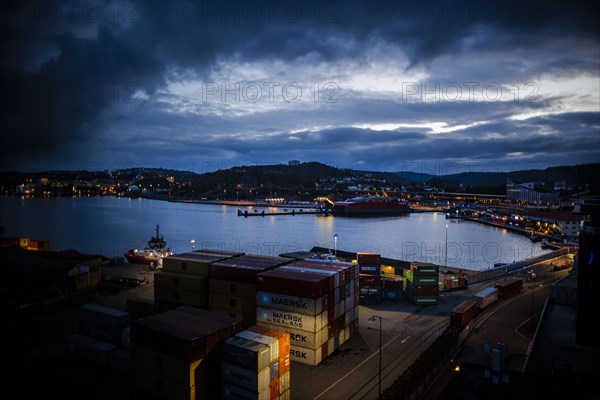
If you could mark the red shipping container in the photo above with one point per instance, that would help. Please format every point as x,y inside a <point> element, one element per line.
<point>274,388</point>
<point>509,287</point>
<point>463,313</point>
<point>368,258</point>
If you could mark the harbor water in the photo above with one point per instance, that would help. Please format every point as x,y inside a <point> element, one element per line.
<point>111,225</point>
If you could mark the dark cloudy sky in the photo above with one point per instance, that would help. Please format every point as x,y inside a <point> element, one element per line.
<point>424,86</point>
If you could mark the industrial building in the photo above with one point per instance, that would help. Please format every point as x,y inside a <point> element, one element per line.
<point>530,193</point>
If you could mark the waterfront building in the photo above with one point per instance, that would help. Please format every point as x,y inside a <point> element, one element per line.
<point>530,193</point>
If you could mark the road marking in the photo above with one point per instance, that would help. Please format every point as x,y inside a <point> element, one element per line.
<point>358,366</point>
<point>523,323</point>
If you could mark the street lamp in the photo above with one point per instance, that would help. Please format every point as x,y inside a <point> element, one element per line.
<point>335,244</point>
<point>372,318</point>
<point>193,241</point>
<point>446,252</point>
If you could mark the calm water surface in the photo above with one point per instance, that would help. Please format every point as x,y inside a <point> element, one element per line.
<point>111,225</point>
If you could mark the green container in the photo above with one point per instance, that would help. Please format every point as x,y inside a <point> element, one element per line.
<point>426,271</point>
<point>424,300</point>
<point>429,280</point>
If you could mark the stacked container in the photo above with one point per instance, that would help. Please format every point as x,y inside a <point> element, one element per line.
<point>176,354</point>
<point>315,301</point>
<point>103,323</point>
<point>370,278</point>
<point>232,285</point>
<point>251,363</point>
<point>183,279</point>
<point>283,338</point>
<point>392,288</point>
<point>422,286</point>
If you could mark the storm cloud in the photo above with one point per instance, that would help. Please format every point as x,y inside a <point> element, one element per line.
<point>376,85</point>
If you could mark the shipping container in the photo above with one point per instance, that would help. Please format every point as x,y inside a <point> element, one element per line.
<point>184,297</point>
<point>463,313</point>
<point>422,290</point>
<point>368,258</point>
<point>301,305</point>
<point>283,339</point>
<point>392,283</point>
<point>233,303</point>
<point>270,341</point>
<point>246,378</point>
<point>101,332</point>
<point>126,337</point>
<point>423,280</point>
<point>370,269</point>
<point>486,297</point>
<point>301,338</point>
<point>290,319</point>
<point>227,287</point>
<point>246,353</point>
<point>392,294</point>
<point>308,356</point>
<point>139,307</point>
<point>274,388</point>
<point>284,382</point>
<point>246,319</point>
<point>185,333</point>
<point>424,269</point>
<point>235,273</point>
<point>90,348</point>
<point>104,316</point>
<point>509,287</point>
<point>180,281</point>
<point>369,280</point>
<point>160,364</point>
<point>423,300</point>
<point>229,391</point>
<point>191,263</point>
<point>370,299</point>
<point>293,283</point>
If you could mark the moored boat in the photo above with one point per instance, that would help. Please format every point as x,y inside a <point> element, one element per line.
<point>371,206</point>
<point>151,255</point>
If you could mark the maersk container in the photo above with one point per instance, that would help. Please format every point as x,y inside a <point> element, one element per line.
<point>301,305</point>
<point>300,338</point>
<point>290,319</point>
<point>246,353</point>
<point>509,287</point>
<point>308,356</point>
<point>270,341</point>
<point>463,313</point>
<point>245,378</point>
<point>486,297</point>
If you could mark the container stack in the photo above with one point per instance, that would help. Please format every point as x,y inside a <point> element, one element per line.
<point>183,279</point>
<point>392,288</point>
<point>370,278</point>
<point>176,354</point>
<point>422,286</point>
<point>251,365</point>
<point>232,285</point>
<point>103,323</point>
<point>316,302</point>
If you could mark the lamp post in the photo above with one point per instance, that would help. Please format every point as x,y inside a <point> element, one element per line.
<point>446,252</point>
<point>335,244</point>
<point>372,318</point>
<point>192,242</point>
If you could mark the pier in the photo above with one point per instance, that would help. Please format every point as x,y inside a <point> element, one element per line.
<point>264,213</point>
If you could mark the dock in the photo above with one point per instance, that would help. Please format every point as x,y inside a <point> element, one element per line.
<point>264,213</point>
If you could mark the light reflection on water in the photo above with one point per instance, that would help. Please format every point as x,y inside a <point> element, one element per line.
<point>110,226</point>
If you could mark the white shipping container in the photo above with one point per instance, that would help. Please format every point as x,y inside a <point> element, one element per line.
<point>105,316</point>
<point>287,395</point>
<point>290,319</point>
<point>253,381</point>
<point>270,341</point>
<point>300,338</point>
<point>284,382</point>
<point>230,391</point>
<point>486,297</point>
<point>90,348</point>
<point>306,356</point>
<point>301,305</point>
